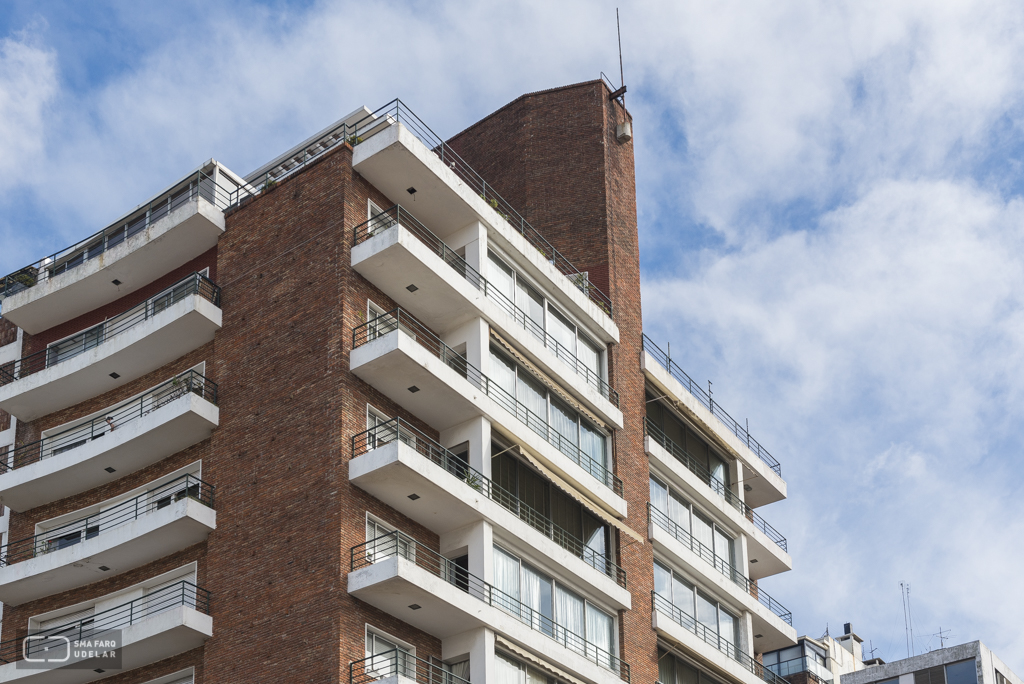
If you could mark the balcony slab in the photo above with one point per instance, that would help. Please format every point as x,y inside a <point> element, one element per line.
<point>179,424</point>
<point>147,641</point>
<point>394,362</point>
<point>705,654</point>
<point>174,240</point>
<point>393,584</point>
<point>149,537</point>
<point>394,471</point>
<point>145,347</point>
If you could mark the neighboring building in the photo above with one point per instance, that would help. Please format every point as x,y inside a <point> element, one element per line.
<point>971,663</point>
<point>358,416</point>
<point>819,660</point>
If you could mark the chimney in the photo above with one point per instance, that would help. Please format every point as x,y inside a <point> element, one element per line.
<point>847,628</point>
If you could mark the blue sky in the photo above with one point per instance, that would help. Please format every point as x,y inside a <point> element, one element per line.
<point>830,214</point>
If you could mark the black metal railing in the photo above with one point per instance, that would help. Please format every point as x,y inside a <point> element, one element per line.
<point>200,185</point>
<point>397,215</point>
<point>400,663</point>
<point>662,605</point>
<point>722,565</point>
<point>815,670</point>
<point>182,593</point>
<point>401,430</point>
<point>708,402</point>
<point>58,352</point>
<point>72,533</point>
<point>189,382</point>
<point>402,545</point>
<point>397,319</point>
<point>397,112</point>
<point>683,456</point>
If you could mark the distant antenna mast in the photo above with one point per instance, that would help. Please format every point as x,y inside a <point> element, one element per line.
<point>906,621</point>
<point>622,78</point>
<point>943,635</point>
<point>910,614</point>
<point>871,649</point>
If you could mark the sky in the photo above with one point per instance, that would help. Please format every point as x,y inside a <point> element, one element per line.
<point>830,214</point>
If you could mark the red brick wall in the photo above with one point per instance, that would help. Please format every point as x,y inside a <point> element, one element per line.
<point>554,156</point>
<point>8,332</point>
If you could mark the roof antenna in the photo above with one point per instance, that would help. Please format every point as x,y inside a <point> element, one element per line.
<point>622,78</point>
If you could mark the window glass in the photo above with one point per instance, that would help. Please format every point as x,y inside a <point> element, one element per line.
<point>595,534</point>
<point>723,547</point>
<point>770,658</point>
<point>964,672</point>
<point>679,511</point>
<point>501,277</point>
<point>592,443</point>
<point>662,581</point>
<point>564,422</point>
<point>563,332</point>
<point>666,668</point>
<point>719,470</point>
<point>508,671</point>
<point>659,495</point>
<point>682,594</point>
<point>599,633</point>
<point>727,626</point>
<point>702,530</point>
<point>707,612</point>
<point>535,593</point>
<point>503,373</point>
<point>569,614</point>
<point>532,304</point>
<point>533,395</point>
<point>506,580</point>
<point>589,355</point>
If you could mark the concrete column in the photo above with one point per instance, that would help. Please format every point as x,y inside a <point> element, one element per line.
<point>477,432</point>
<point>474,238</point>
<point>747,634</point>
<point>475,539</point>
<point>473,337</point>
<point>478,644</point>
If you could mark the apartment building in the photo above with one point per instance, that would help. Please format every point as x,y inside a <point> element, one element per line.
<point>823,660</point>
<point>382,409</point>
<point>970,663</point>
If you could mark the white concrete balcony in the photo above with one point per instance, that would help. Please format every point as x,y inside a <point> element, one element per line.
<point>163,328</point>
<point>394,461</point>
<point>766,548</point>
<point>397,667</point>
<point>772,622</point>
<point>152,627</point>
<point>116,442</point>
<point>761,472</point>
<point>414,267</point>
<point>401,358</point>
<point>723,658</point>
<point>112,539</point>
<point>402,155</point>
<point>172,229</point>
<point>422,588</point>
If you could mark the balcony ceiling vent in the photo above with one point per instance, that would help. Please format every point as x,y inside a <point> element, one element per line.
<point>758,636</point>
<point>110,470</point>
<point>412,288</point>
<point>753,560</point>
<point>115,376</point>
<point>414,389</point>
<point>116,282</point>
<point>413,497</point>
<point>415,606</point>
<point>104,568</point>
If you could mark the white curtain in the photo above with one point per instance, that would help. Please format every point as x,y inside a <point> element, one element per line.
<point>599,633</point>
<point>533,395</point>
<point>532,582</point>
<point>702,533</point>
<point>507,671</point>
<point>532,305</point>
<point>589,356</point>
<point>679,511</point>
<point>565,424</point>
<point>659,496</point>
<point>563,332</point>
<point>682,595</point>
<point>500,277</point>
<point>592,444</point>
<point>506,580</point>
<point>569,615</point>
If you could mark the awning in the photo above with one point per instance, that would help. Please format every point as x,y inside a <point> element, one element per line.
<point>551,384</point>
<point>571,491</point>
<point>534,660</point>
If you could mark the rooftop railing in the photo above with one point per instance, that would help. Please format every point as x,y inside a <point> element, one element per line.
<point>397,112</point>
<point>713,639</point>
<point>722,565</point>
<point>401,663</point>
<point>401,545</point>
<point>69,534</point>
<point>400,430</point>
<point>802,664</point>
<point>708,402</point>
<point>397,319</point>
<point>716,485</point>
<point>189,382</point>
<point>397,215</point>
<point>58,352</point>
<point>182,593</point>
<point>221,194</point>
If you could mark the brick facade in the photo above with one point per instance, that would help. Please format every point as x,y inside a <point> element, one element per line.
<point>554,156</point>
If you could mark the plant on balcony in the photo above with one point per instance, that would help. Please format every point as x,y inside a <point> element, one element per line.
<point>474,481</point>
<point>27,277</point>
<point>269,185</point>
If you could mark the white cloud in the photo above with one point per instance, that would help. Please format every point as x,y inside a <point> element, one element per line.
<point>28,84</point>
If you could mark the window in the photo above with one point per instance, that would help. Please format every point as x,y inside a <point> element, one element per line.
<point>378,220</point>
<point>716,546</point>
<point>384,430</point>
<point>544,320</point>
<point>550,417</point>
<point>706,615</point>
<point>388,657</point>
<point>549,607</point>
<point>673,670</point>
<point>688,444</point>
<point>383,541</point>
<point>964,672</point>
<point>511,671</point>
<point>548,509</point>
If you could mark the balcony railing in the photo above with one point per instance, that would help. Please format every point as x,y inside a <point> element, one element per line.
<point>397,112</point>
<point>195,284</point>
<point>72,533</point>
<point>79,435</point>
<point>200,185</point>
<point>397,319</point>
<point>812,667</point>
<point>708,402</point>
<point>712,638</point>
<point>402,663</point>
<point>398,429</point>
<point>182,593</point>
<point>720,564</point>
<point>400,544</point>
<point>396,215</point>
<point>719,487</point>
